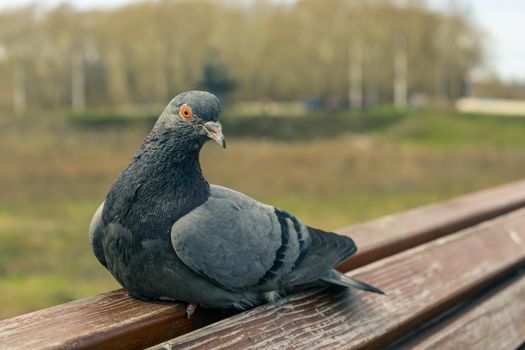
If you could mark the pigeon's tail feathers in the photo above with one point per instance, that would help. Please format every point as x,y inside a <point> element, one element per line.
<point>330,247</point>
<point>337,278</point>
<point>324,252</point>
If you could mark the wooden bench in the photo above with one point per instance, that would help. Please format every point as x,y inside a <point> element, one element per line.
<point>453,272</point>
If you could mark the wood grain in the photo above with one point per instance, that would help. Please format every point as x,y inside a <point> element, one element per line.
<point>107,321</point>
<point>497,321</point>
<point>421,283</point>
<point>114,320</point>
<point>392,234</point>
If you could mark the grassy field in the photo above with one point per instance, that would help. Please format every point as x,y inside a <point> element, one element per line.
<point>331,171</point>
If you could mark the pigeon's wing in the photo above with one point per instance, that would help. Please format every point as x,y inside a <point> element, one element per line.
<point>240,243</point>
<point>95,235</point>
<point>236,241</point>
<point>325,251</point>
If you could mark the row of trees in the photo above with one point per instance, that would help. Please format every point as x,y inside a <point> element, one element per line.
<point>363,52</point>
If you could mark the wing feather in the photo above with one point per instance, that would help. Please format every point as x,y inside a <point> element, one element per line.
<point>242,244</point>
<point>231,239</point>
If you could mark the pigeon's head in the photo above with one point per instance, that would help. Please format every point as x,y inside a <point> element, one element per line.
<point>194,115</point>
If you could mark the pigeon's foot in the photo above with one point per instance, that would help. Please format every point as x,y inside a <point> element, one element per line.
<point>190,310</point>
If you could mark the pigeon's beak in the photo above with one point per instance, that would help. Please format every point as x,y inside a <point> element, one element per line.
<point>214,132</point>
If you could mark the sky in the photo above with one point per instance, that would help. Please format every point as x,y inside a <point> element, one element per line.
<point>504,25</point>
<point>501,21</point>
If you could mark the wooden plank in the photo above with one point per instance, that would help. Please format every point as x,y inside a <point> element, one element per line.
<point>421,283</point>
<point>392,234</point>
<point>497,321</point>
<point>112,318</point>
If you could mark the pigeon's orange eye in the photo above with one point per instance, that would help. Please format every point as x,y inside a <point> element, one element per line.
<point>185,112</point>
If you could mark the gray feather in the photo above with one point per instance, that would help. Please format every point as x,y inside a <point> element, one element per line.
<point>337,278</point>
<point>324,252</point>
<point>234,240</point>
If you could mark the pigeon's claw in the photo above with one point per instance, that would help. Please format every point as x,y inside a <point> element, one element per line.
<point>190,309</point>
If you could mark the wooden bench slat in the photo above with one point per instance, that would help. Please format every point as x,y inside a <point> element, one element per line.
<point>421,283</point>
<point>113,316</point>
<point>392,234</point>
<point>495,322</point>
<point>109,320</point>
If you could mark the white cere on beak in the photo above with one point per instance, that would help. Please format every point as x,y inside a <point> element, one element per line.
<point>214,132</point>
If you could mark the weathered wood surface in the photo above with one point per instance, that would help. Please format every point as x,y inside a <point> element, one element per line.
<point>421,283</point>
<point>495,322</point>
<point>388,235</point>
<point>113,318</point>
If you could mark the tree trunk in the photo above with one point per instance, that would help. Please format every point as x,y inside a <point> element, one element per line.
<point>19,91</point>
<point>355,76</point>
<point>78,83</point>
<point>400,73</point>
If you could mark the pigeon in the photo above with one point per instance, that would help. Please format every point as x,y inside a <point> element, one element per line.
<point>165,233</point>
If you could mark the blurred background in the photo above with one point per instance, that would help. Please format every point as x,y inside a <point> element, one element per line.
<point>336,110</point>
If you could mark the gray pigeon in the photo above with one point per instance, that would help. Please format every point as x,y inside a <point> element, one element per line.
<point>165,233</point>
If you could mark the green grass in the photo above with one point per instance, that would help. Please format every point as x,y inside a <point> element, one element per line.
<point>330,169</point>
<point>460,130</point>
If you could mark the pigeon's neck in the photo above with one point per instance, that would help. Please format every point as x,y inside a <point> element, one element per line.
<point>163,180</point>
<point>169,167</point>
